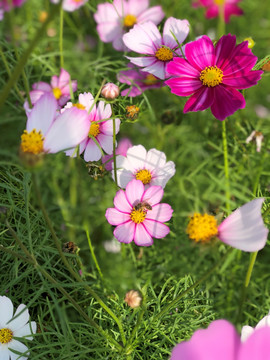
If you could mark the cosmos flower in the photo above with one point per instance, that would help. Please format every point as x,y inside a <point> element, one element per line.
<point>159,49</point>
<point>6,5</point>
<point>138,215</point>
<point>70,5</point>
<point>212,75</point>
<point>244,229</point>
<point>148,166</point>
<point>101,128</point>
<point>11,328</point>
<point>212,8</point>
<point>248,330</point>
<point>221,341</point>
<point>258,137</point>
<point>122,148</point>
<point>47,132</point>
<point>115,19</point>
<point>138,80</point>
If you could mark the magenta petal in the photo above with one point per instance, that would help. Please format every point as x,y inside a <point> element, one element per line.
<point>244,229</point>
<point>121,203</point>
<point>244,81</point>
<point>115,217</point>
<point>257,346</point>
<point>232,9</point>
<point>125,232</point>
<point>134,191</point>
<point>142,236</point>
<point>200,53</point>
<point>219,341</point>
<point>153,195</point>
<point>183,86</point>
<point>160,212</point>
<point>200,100</point>
<point>156,229</point>
<point>224,49</point>
<point>180,67</point>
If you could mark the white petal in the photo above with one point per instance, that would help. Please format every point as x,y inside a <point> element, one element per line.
<point>264,322</point>
<point>92,151</point>
<point>6,310</point>
<point>18,346</point>
<point>5,353</point>
<point>106,143</point>
<point>180,28</point>
<point>20,320</point>
<point>26,330</point>
<point>86,99</point>
<point>142,61</point>
<point>155,159</point>
<point>136,156</point>
<point>123,177</point>
<point>246,332</point>
<point>162,175</point>
<point>103,111</point>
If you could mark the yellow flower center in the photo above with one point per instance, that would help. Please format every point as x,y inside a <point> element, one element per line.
<point>144,175</point>
<point>137,216</point>
<point>79,106</point>
<point>129,21</point>
<point>57,93</point>
<point>150,80</point>
<point>211,76</point>
<point>132,111</point>
<point>219,2</point>
<point>202,227</point>
<point>164,54</point>
<point>5,336</point>
<point>32,142</point>
<point>94,129</point>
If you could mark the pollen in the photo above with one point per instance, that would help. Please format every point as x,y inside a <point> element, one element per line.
<point>32,142</point>
<point>150,80</point>
<point>57,93</point>
<point>5,336</point>
<point>144,175</point>
<point>94,130</point>
<point>79,106</point>
<point>137,216</point>
<point>211,76</point>
<point>129,21</point>
<point>132,112</point>
<point>164,54</point>
<point>219,2</point>
<point>202,227</point>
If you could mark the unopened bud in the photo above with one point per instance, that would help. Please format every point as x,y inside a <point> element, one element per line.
<point>133,299</point>
<point>250,41</point>
<point>110,91</point>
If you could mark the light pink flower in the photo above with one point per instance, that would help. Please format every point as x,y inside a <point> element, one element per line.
<point>138,215</point>
<point>70,5</point>
<point>7,5</point>
<point>248,330</point>
<point>212,8</point>
<point>159,49</point>
<point>221,341</point>
<point>258,137</point>
<point>110,91</point>
<point>122,148</point>
<point>114,20</point>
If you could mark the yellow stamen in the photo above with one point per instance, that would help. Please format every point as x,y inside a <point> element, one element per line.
<point>129,21</point>
<point>164,54</point>
<point>219,2</point>
<point>5,336</point>
<point>150,80</point>
<point>202,227</point>
<point>137,216</point>
<point>79,106</point>
<point>144,175</point>
<point>211,76</point>
<point>94,129</point>
<point>57,93</point>
<point>132,112</point>
<point>32,142</point>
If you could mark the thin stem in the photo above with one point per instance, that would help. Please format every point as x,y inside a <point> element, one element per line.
<point>18,240</point>
<point>61,37</point>
<point>16,255</point>
<point>93,253</point>
<point>114,154</point>
<point>221,22</point>
<point>226,166</point>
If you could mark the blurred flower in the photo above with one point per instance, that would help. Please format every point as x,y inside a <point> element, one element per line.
<point>244,229</point>
<point>70,5</point>
<point>122,148</point>
<point>261,111</point>
<point>7,5</point>
<point>221,341</point>
<point>11,327</point>
<point>258,137</point>
<point>48,133</point>
<point>138,80</point>
<point>160,49</point>
<point>212,75</point>
<point>112,246</point>
<point>138,215</point>
<point>133,299</point>
<point>43,15</point>
<point>132,112</point>
<point>248,330</point>
<point>148,166</point>
<point>212,8</point>
<point>114,20</point>
<point>110,91</point>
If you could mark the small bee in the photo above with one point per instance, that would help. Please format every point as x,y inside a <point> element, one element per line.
<point>144,206</point>
<point>69,247</point>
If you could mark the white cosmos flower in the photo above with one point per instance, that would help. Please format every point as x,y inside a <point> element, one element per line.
<point>248,330</point>
<point>14,326</point>
<point>148,166</point>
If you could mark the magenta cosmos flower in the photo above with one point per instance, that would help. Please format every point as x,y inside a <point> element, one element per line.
<point>244,229</point>
<point>138,80</point>
<point>221,341</point>
<point>138,215</point>
<point>101,128</point>
<point>6,5</point>
<point>122,148</point>
<point>115,19</point>
<point>212,8</point>
<point>70,5</point>
<point>48,132</point>
<point>160,49</point>
<point>212,75</point>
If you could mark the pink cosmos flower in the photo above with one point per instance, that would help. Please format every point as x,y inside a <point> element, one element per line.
<point>6,5</point>
<point>221,341</point>
<point>212,75</point>
<point>146,39</point>
<point>212,8</point>
<point>138,80</point>
<point>48,132</point>
<point>70,5</point>
<point>122,148</point>
<point>138,215</point>
<point>59,87</point>
<point>248,330</point>
<point>101,128</point>
<point>114,20</point>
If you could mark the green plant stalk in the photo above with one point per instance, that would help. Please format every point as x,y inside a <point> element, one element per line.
<point>92,252</point>
<point>221,20</point>
<point>18,240</point>
<point>16,255</point>
<point>226,166</point>
<point>69,267</point>
<point>136,327</point>
<point>114,143</point>
<point>61,37</point>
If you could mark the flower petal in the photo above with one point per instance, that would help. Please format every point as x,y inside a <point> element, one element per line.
<point>92,151</point>
<point>201,100</point>
<point>20,320</point>
<point>18,346</point>
<point>224,49</point>
<point>27,331</point>
<point>125,232</point>
<point>134,192</point>
<point>180,28</point>
<point>243,81</point>
<point>155,159</point>
<point>115,217</point>
<point>160,212</point>
<point>180,67</point>
<point>142,236</point>
<point>200,53</point>
<point>6,310</point>
<point>184,86</point>
<point>123,177</point>
<point>106,143</point>
<point>136,156</point>
<point>163,175</point>
<point>121,203</point>
<point>154,14</point>
<point>158,69</point>
<point>156,229</point>
<point>153,195</point>
<point>257,346</point>
<point>142,61</point>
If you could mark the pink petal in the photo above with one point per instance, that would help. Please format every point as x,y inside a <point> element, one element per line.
<point>184,86</point>
<point>200,53</point>
<point>121,203</point>
<point>181,67</point>
<point>106,13</point>
<point>134,191</point>
<point>35,95</point>
<point>156,229</point>
<point>224,49</point>
<point>64,78</point>
<point>154,14</point>
<point>135,7</point>
<point>157,69</point>
<point>106,143</point>
<point>104,111</point>
<point>142,61</point>
<point>231,9</point>
<point>92,151</point>
<point>142,236</point>
<point>244,81</point>
<point>106,127</point>
<point>180,28</point>
<point>202,99</point>
<point>153,195</point>
<point>87,100</point>
<point>160,212</point>
<point>125,232</point>
<point>244,229</point>
<point>42,86</point>
<point>115,217</point>
<point>109,31</point>
<point>257,346</point>
<point>212,12</point>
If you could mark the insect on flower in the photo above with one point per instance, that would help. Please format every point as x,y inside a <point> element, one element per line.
<point>144,206</point>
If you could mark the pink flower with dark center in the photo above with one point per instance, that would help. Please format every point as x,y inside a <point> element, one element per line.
<point>70,5</point>
<point>159,49</point>
<point>114,20</point>
<point>212,8</point>
<point>138,215</point>
<point>122,148</point>
<point>212,75</point>
<point>138,80</point>
<point>221,341</point>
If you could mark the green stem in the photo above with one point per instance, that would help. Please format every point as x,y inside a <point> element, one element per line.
<point>18,240</point>
<point>221,22</point>
<point>16,255</point>
<point>114,154</point>
<point>93,253</point>
<point>226,166</point>
<point>61,37</point>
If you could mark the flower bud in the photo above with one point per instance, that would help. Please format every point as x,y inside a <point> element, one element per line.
<point>133,299</point>
<point>110,91</point>
<point>250,41</point>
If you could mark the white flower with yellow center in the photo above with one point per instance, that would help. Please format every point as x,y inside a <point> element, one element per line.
<point>148,166</point>
<point>14,326</point>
